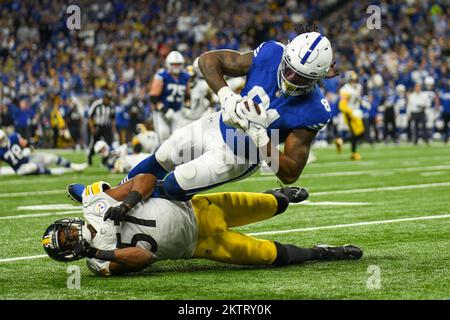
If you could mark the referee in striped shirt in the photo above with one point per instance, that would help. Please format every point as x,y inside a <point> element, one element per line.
<point>101,122</point>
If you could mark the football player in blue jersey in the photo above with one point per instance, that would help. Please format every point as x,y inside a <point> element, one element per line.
<point>280,102</point>
<point>168,93</point>
<point>444,98</point>
<point>15,151</point>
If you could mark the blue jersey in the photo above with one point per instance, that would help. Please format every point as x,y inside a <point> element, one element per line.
<point>12,154</point>
<point>286,113</point>
<point>444,97</point>
<point>174,89</point>
<point>400,104</point>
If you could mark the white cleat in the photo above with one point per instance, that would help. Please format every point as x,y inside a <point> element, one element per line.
<point>78,167</point>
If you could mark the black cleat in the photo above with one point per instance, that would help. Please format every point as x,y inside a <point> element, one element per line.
<point>294,194</point>
<point>346,252</point>
<point>75,192</point>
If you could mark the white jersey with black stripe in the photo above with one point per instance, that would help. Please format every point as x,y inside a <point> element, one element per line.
<point>101,114</point>
<point>167,228</point>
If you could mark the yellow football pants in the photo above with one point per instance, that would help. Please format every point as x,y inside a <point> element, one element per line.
<point>355,124</point>
<point>218,212</point>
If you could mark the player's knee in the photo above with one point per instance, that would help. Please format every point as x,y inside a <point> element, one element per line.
<point>164,155</point>
<point>148,165</point>
<point>27,169</point>
<point>282,201</point>
<point>173,190</point>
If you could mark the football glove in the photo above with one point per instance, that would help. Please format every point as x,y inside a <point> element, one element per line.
<point>169,114</point>
<point>228,101</point>
<point>117,213</point>
<point>84,249</point>
<point>257,123</point>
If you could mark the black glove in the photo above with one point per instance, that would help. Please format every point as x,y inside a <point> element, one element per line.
<point>84,249</point>
<point>117,213</point>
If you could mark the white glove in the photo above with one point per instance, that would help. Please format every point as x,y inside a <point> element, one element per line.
<point>228,101</point>
<point>257,123</point>
<point>26,152</point>
<point>169,114</point>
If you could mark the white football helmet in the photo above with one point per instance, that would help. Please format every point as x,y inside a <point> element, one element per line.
<point>400,89</point>
<point>101,148</point>
<point>3,139</point>
<point>306,60</point>
<point>429,83</point>
<point>174,62</point>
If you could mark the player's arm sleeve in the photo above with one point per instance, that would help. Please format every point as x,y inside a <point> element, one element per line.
<point>159,76</point>
<point>315,121</point>
<point>265,52</point>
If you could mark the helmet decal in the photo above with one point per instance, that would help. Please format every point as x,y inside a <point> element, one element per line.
<point>311,48</point>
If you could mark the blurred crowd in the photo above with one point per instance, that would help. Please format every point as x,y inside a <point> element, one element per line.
<point>49,75</point>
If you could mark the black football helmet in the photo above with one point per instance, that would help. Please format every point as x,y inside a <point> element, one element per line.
<point>62,238</point>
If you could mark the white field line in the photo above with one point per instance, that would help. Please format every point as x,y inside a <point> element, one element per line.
<point>336,226</point>
<point>65,177</point>
<point>357,224</point>
<point>31,193</point>
<point>374,172</point>
<point>395,188</point>
<point>432,173</point>
<point>330,203</point>
<point>417,160</point>
<point>24,258</point>
<point>51,207</point>
<point>413,186</point>
<point>43,214</point>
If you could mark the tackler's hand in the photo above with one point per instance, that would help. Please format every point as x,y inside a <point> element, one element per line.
<point>116,213</point>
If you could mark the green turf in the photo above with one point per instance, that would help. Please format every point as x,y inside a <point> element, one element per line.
<point>413,256</point>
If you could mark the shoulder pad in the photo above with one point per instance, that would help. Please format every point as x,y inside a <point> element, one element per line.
<point>266,51</point>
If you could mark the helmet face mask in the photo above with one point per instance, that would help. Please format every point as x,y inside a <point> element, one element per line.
<point>62,237</point>
<point>291,82</point>
<point>175,68</point>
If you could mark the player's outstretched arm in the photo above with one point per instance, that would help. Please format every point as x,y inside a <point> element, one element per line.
<point>216,64</point>
<point>131,259</point>
<point>123,260</point>
<point>296,151</point>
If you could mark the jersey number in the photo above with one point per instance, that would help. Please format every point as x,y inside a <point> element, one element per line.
<point>14,154</point>
<point>139,236</point>
<point>259,92</point>
<point>176,92</point>
<point>326,104</point>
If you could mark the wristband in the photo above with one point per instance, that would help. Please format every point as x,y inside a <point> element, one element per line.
<point>106,255</point>
<point>132,199</point>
